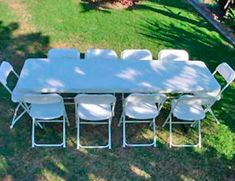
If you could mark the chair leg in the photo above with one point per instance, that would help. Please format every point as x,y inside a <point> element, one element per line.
<point>33,132</point>
<point>170,130</point>
<point>199,134</point>
<point>155,135</point>
<point>109,132</point>
<point>38,124</point>
<point>15,118</point>
<point>213,115</point>
<point>67,119</point>
<point>166,121</point>
<point>16,110</point>
<point>123,97</point>
<point>123,132</point>
<point>78,133</point>
<point>64,131</point>
<point>120,120</point>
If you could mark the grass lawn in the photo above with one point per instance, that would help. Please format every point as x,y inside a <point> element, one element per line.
<point>28,28</point>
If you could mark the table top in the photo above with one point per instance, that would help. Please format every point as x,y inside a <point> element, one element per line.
<point>115,76</point>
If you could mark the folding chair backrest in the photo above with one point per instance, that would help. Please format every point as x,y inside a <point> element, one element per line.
<point>63,53</point>
<point>173,54</point>
<point>227,73</point>
<point>136,54</point>
<point>195,100</point>
<point>100,54</point>
<point>5,69</point>
<point>146,98</point>
<point>43,98</point>
<point>95,99</point>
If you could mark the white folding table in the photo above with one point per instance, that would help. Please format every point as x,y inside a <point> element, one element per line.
<point>115,76</point>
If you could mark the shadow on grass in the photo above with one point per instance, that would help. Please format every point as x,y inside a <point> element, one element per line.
<point>200,44</point>
<point>16,48</point>
<point>165,9</point>
<point>131,163</point>
<point>160,163</point>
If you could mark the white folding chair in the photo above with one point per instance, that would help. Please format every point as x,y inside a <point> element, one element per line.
<point>173,54</point>
<point>141,108</point>
<point>100,54</point>
<point>94,109</point>
<point>188,109</point>
<point>16,95</point>
<point>63,53</point>
<point>46,108</point>
<point>136,54</point>
<point>229,75</point>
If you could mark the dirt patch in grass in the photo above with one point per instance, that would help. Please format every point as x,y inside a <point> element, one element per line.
<point>24,17</point>
<point>106,5</point>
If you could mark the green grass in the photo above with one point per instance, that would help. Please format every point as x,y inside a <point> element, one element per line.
<point>153,25</point>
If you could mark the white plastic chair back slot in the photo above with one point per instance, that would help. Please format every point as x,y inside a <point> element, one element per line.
<point>66,53</point>
<point>5,70</point>
<point>146,98</point>
<point>100,54</point>
<point>226,71</point>
<point>43,98</point>
<point>136,54</point>
<point>173,54</point>
<point>95,99</point>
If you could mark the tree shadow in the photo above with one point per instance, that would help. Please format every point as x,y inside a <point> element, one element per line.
<point>197,41</point>
<point>17,48</point>
<point>161,163</point>
<point>167,11</point>
<point>200,46</point>
<point>131,163</point>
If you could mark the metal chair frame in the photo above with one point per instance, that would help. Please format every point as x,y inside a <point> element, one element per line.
<point>201,101</point>
<point>229,75</point>
<point>6,68</point>
<point>94,99</point>
<point>45,99</point>
<point>124,121</point>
